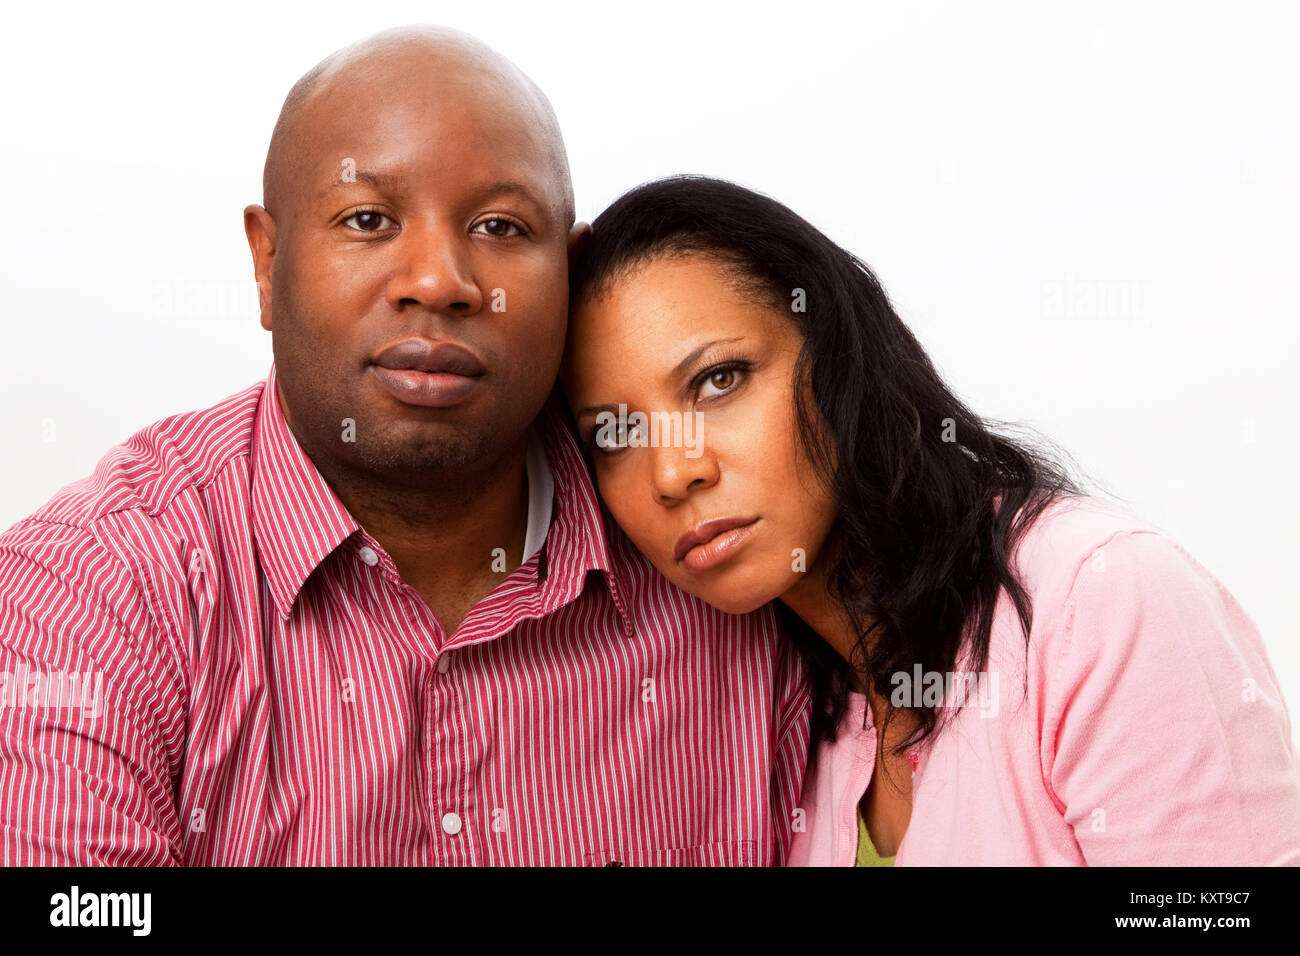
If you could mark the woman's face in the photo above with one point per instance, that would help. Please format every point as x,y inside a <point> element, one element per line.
<point>713,485</point>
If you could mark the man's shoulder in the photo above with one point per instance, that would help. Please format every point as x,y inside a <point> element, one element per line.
<point>147,472</point>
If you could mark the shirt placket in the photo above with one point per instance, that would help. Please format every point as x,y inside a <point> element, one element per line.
<point>443,740</point>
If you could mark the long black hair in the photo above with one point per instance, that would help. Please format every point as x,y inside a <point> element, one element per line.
<point>931,499</point>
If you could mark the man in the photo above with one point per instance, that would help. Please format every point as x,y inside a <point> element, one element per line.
<point>368,611</point>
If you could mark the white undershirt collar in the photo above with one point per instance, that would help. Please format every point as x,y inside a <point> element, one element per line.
<point>541,490</point>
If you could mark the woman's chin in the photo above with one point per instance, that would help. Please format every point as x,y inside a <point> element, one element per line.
<point>728,598</point>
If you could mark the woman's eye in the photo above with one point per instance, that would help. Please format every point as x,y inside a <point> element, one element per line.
<point>367,220</point>
<point>723,380</point>
<point>615,437</point>
<point>500,228</point>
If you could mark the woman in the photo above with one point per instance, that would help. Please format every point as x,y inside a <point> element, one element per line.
<point>1003,670</point>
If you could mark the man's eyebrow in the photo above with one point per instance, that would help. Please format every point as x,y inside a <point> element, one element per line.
<point>384,181</point>
<point>349,176</point>
<point>515,188</point>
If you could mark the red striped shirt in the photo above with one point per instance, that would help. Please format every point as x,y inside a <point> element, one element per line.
<point>206,660</point>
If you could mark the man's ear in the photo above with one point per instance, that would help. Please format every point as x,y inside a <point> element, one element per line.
<point>578,237</point>
<point>259,227</point>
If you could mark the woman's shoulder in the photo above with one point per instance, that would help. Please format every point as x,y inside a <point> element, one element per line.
<point>1162,730</point>
<point>1105,587</point>
<point>1072,528</point>
<point>1109,584</point>
<point>1084,545</point>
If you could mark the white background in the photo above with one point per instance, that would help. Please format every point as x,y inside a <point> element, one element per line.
<point>1087,213</point>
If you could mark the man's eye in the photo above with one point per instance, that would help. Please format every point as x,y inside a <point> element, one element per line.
<point>500,228</point>
<point>367,220</point>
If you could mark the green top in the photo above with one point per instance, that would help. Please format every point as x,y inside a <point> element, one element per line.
<point>867,855</point>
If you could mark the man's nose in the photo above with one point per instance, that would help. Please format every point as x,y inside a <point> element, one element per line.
<point>678,470</point>
<point>434,270</point>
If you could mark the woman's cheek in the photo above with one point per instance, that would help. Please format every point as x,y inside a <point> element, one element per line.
<point>617,492</point>
<point>755,424</point>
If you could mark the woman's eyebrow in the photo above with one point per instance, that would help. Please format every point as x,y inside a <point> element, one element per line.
<point>677,372</point>
<point>695,353</point>
<point>596,408</point>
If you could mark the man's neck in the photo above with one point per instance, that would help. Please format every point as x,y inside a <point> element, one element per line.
<point>441,530</point>
<point>443,536</point>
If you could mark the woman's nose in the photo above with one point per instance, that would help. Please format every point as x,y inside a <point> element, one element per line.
<point>680,468</point>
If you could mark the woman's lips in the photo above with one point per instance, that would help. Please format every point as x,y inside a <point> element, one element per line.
<point>713,542</point>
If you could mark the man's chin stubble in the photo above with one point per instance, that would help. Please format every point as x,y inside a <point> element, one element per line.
<point>450,455</point>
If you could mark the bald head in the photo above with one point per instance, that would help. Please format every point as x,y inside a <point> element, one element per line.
<point>396,65</point>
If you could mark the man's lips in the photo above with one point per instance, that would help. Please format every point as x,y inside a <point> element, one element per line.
<point>416,371</point>
<point>708,543</point>
<point>421,355</point>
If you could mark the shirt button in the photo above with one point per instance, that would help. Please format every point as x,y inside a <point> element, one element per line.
<point>444,664</point>
<point>451,823</point>
<point>368,556</point>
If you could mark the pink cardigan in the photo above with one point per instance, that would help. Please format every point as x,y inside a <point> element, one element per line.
<point>1153,731</point>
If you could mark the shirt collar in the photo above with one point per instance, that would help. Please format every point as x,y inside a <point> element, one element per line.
<point>298,520</point>
<point>541,495</point>
<point>578,541</point>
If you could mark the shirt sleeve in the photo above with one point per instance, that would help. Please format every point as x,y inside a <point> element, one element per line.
<point>85,773</point>
<point>1166,740</point>
<point>790,752</point>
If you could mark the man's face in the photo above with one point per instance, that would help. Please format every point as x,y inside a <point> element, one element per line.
<point>422,230</point>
